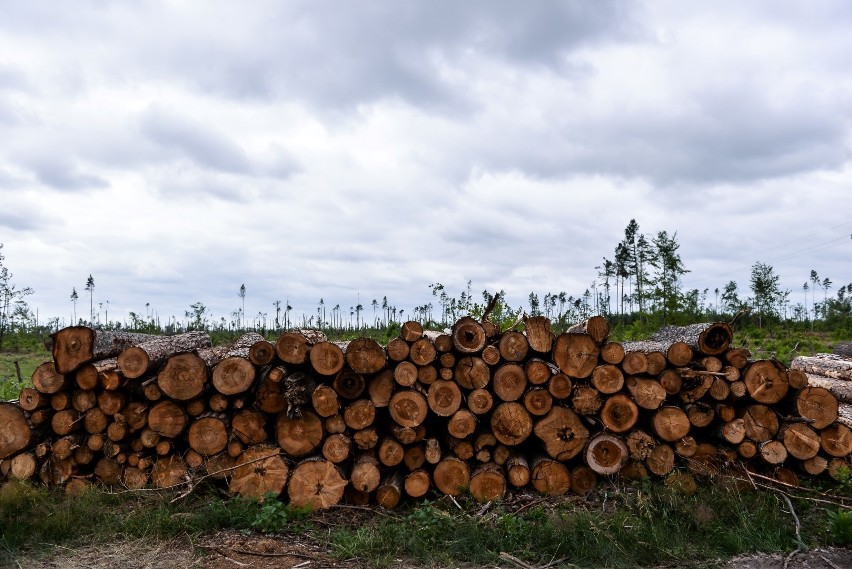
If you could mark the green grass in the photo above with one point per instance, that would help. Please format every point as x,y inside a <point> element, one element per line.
<point>28,361</point>
<point>641,526</point>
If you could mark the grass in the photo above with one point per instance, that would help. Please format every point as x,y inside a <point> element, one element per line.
<point>645,525</point>
<point>28,362</point>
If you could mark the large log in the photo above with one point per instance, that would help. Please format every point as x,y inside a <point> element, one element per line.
<point>711,338</point>
<point>235,373</point>
<point>576,354</point>
<point>183,377</point>
<point>15,430</point>
<point>138,360</point>
<point>827,365</point>
<point>843,349</point>
<point>77,345</point>
<point>259,470</point>
<point>316,483</point>
<point>840,388</point>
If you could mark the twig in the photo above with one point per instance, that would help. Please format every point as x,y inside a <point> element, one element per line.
<point>828,561</point>
<point>795,517</point>
<point>257,553</point>
<point>515,560</point>
<point>484,509</point>
<point>557,562</point>
<point>366,509</point>
<point>789,557</point>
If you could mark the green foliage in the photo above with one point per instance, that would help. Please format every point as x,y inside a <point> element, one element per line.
<point>272,515</point>
<point>840,524</point>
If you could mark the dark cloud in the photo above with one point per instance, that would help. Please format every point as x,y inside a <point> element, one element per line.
<point>186,138</point>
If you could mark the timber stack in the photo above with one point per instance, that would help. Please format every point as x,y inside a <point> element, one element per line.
<point>470,410</point>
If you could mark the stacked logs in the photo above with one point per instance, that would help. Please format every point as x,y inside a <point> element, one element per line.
<point>832,372</point>
<point>472,410</point>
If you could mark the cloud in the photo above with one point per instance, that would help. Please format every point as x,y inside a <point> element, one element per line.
<point>62,175</point>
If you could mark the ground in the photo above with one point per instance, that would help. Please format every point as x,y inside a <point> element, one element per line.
<point>234,550</point>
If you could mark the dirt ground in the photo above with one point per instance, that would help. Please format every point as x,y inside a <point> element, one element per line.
<point>234,550</point>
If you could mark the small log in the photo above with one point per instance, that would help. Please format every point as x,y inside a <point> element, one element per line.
<point>169,471</point>
<point>167,419</point>
<point>423,352</point>
<point>517,471</point>
<point>472,373</point>
<point>612,353</point>
<point>734,432</point>
<point>596,327</point>
<point>826,365</point>
<point>661,460</point>
<point>359,414</point>
<point>30,399</point>
<point>550,477</point>
<point>766,382</point>
<point>47,380</point>
<point>349,384</point>
<point>700,414</point>
<point>646,392</point>
<point>583,480</point>
<point>365,355</point>
<point>491,355</point>
<point>513,346</point>
<point>259,471</point>
<point>710,339</point>
<point>417,483</point>
<point>772,452</point>
<point>183,377</point>
<point>208,435</point>
<point>408,408</point>
<point>607,379</point>
<point>299,436</point>
<point>761,423</point>
<point>619,413</point>
<point>405,374</point>
<point>801,441</point>
<point>509,382</point>
<point>539,333</point>
<point>836,440</point>
<point>480,401</point>
<point>487,483</point>
<point>23,466</point>
<point>511,423</point>
<point>444,398</point>
<point>451,476</point>
<point>538,371</point>
<point>380,388</point>
<point>389,492</point>
<point>390,452</point>
<point>634,363</point>
<point>366,474</point>
<point>538,401</point>
<point>428,374</point>
<point>316,483</point>
<point>606,454</point>
<point>326,358</point>
<point>337,448</point>
<point>560,386</point>
<point>819,404</point>
<point>586,400</point>
<point>563,433</point>
<point>138,360</point>
<point>670,423</point>
<point>462,424</point>
<point>468,336</point>
<point>411,331</point>
<point>737,357</point>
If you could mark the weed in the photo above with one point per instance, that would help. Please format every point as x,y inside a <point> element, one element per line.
<point>272,515</point>
<point>840,524</point>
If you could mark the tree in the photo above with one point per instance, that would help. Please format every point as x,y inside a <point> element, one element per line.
<point>815,281</point>
<point>670,269</point>
<point>11,298</point>
<point>826,284</point>
<point>730,298</point>
<point>534,305</point>
<point>277,305</point>
<point>768,296</point>
<point>90,286</point>
<point>74,298</point>
<point>198,314</point>
<point>375,304</point>
<point>242,295</point>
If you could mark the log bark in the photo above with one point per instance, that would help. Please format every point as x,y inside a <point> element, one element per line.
<point>840,388</point>
<point>819,404</point>
<point>597,327</point>
<point>827,365</point>
<point>843,349</point>
<point>77,345</point>
<point>710,339</point>
<point>539,334</point>
<point>138,360</point>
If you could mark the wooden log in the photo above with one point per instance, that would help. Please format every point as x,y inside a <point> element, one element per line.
<point>260,470</point>
<point>366,474</point>
<point>517,471</point>
<point>550,477</point>
<point>83,400</point>
<point>836,440</point>
<point>397,349</point>
<point>326,358</point>
<point>23,466</point>
<point>65,422</point>
<point>380,388</point>
<point>77,345</point>
<point>511,423</point>
<point>472,373</point>
<point>183,377</point>
<point>468,336</point>
<point>408,408</point>
<point>670,423</point>
<point>414,457</point>
<point>761,423</point>
<point>538,401</point>
<point>646,392</point>
<point>480,401</point>
<point>819,404</point>
<point>299,436</point>
<point>47,380</point>
<point>513,346</point>
<point>640,444</point>
<point>612,353</point>
<point>634,363</point>
<point>138,360</point>
<point>586,400</point>
<point>844,414</point>
<point>167,419</point>
<point>349,384</point>
<point>733,431</point>
<point>607,379</point>
<point>169,471</point>
<point>772,452</point>
<point>576,354</point>
<point>411,331</point>
<point>826,365</point>
<point>487,482</point>
<point>843,349</point>
<point>365,355</point>
<point>815,465</point>
<point>606,454</point>
<point>677,353</point>
<point>30,399</point>
<point>597,327</point>
<point>509,382</point>
<point>316,483</point>
<point>428,374</point>
<point>461,424</point>
<point>661,461</point>
<point>563,433</point>
<point>560,386</point>
<point>390,452</point>
<point>619,413</point>
<point>444,398</point>
<point>405,374</point>
<point>208,435</point>
<point>423,352</point>
<point>417,483</point>
<point>840,388</point>
<point>800,440</point>
<point>235,373</point>
<point>111,402</point>
<point>359,414</point>
<point>389,492</point>
<point>766,382</point>
<point>451,476</point>
<point>539,371</point>
<point>539,333</point>
<point>491,355</point>
<point>337,448</point>
<point>700,414</point>
<point>710,339</point>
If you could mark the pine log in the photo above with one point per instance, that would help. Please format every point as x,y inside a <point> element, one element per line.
<point>23,466</point>
<point>299,436</point>
<point>586,400</point>
<point>468,336</point>
<point>411,331</point>
<point>560,386</point>
<point>270,396</point>
<point>359,414</point>
<point>444,398</point>
<point>259,471</point>
<point>840,388</point>
<point>480,401</point>
<point>389,492</point>
<point>819,404</point>
<point>326,358</point>
<point>539,334</point>
<point>563,433</point>
<point>761,423</point>
<point>707,338</point>
<point>670,423</point>
<point>661,460</point>
<point>316,483</point>
<point>583,480</point>
<point>538,401</point>
<point>513,346</point>
<point>422,352</point>
<point>65,422</point>
<point>111,402</point>
<point>47,380</point>
<point>451,476</point>
<point>801,441</point>
<point>619,413</point>
<point>77,345</point>
<point>337,448</point>
<point>167,419</point>
<point>408,408</point>
<point>827,365</point>
<point>349,384</point>
<point>612,353</point>
<point>82,400</point>
<point>405,374</point>
<point>487,483</point>
<point>634,363</point>
<point>836,440</point>
<point>472,373</point>
<point>325,401</point>
<point>646,392</point>
<point>511,423</point>
<point>539,371</point>
<point>606,454</point>
<point>380,388</point>
<point>844,414</point>
<point>30,399</point>
<point>576,354</point>
<point>766,382</point>
<point>390,452</point>
<point>169,471</point>
<point>417,483</point>
<point>550,477</point>
<point>208,435</point>
<point>597,327</point>
<point>365,355</point>
<point>136,361</point>
<point>235,373</point>
<point>366,474</point>
<point>677,353</point>
<point>509,382</point>
<point>397,349</point>
<point>183,377</point>
<point>733,431</point>
<point>428,374</point>
<point>772,452</point>
<point>607,379</point>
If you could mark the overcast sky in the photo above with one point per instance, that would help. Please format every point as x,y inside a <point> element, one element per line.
<point>176,150</point>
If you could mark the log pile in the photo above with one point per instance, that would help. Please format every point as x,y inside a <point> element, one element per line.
<point>472,410</point>
<point>832,372</point>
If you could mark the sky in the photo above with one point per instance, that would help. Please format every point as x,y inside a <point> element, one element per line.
<point>359,150</point>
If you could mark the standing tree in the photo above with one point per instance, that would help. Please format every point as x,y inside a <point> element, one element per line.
<point>277,305</point>
<point>242,295</point>
<point>90,286</point>
<point>669,271</point>
<point>11,298</point>
<point>815,284</point>
<point>805,288</point>
<point>767,292</point>
<point>826,284</point>
<point>730,298</point>
<point>74,297</point>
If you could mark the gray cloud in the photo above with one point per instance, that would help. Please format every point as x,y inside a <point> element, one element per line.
<point>62,175</point>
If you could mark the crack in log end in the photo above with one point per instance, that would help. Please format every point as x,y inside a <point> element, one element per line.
<point>565,435</point>
<point>718,338</point>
